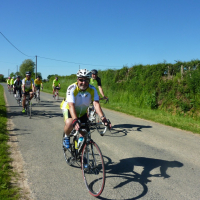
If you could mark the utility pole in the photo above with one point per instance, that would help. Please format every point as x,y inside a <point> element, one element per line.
<point>36,68</point>
<point>17,69</point>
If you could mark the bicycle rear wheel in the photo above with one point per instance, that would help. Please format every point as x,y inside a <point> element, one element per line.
<point>93,168</point>
<point>100,126</point>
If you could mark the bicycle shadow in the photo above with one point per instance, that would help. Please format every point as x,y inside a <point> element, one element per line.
<point>125,129</point>
<point>125,170</point>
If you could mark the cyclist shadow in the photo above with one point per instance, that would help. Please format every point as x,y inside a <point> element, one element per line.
<point>123,129</point>
<point>125,170</point>
<point>38,114</point>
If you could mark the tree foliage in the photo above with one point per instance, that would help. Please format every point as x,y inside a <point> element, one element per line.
<point>27,65</point>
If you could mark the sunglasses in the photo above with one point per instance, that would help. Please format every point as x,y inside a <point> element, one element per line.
<point>84,80</point>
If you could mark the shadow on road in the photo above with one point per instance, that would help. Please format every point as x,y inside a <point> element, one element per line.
<point>124,171</point>
<point>120,130</point>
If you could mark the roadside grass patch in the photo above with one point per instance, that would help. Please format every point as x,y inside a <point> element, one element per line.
<point>7,190</point>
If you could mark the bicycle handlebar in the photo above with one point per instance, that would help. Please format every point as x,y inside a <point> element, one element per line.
<point>88,124</point>
<point>104,98</point>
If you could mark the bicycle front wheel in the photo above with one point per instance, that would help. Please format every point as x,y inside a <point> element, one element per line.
<point>93,168</point>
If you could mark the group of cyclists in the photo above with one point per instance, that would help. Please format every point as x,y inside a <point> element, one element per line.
<point>79,95</point>
<point>27,86</point>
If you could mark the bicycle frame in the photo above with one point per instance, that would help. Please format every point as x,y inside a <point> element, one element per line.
<point>91,158</point>
<point>87,138</point>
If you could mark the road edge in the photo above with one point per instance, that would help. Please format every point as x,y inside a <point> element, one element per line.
<point>17,163</point>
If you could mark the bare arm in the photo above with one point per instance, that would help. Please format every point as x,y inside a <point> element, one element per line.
<point>23,88</point>
<point>100,113</point>
<point>98,108</point>
<point>101,91</point>
<point>72,110</point>
<point>73,114</point>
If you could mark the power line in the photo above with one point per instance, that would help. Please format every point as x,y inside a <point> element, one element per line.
<point>97,65</point>
<point>14,45</point>
<point>76,62</point>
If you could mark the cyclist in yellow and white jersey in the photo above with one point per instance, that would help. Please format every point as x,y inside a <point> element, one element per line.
<point>38,83</point>
<point>78,98</point>
<point>56,83</point>
<point>12,80</point>
<point>27,88</point>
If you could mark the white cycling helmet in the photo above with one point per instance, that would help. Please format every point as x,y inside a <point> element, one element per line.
<point>13,77</point>
<point>84,73</point>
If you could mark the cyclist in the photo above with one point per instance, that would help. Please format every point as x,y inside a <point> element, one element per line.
<point>78,98</point>
<point>27,88</point>
<point>18,86</point>
<point>12,81</point>
<point>56,83</point>
<point>96,82</point>
<point>38,83</point>
<point>8,82</point>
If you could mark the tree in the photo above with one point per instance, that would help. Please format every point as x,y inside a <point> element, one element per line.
<point>27,65</point>
<point>12,74</point>
<point>38,74</point>
<point>2,79</point>
<point>49,76</point>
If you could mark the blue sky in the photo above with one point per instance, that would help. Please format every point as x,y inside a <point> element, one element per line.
<point>100,34</point>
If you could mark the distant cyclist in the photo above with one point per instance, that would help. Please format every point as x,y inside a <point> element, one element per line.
<point>56,83</point>
<point>8,82</point>
<point>38,83</point>
<point>27,88</point>
<point>18,86</point>
<point>12,81</point>
<point>96,82</point>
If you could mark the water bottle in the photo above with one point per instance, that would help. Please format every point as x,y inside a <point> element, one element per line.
<point>80,141</point>
<point>76,144</point>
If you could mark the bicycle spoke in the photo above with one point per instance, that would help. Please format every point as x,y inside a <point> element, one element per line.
<point>93,169</point>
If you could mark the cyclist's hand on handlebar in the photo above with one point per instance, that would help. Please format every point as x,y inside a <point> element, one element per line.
<point>76,124</point>
<point>106,122</point>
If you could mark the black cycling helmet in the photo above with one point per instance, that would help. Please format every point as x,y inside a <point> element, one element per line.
<point>18,76</point>
<point>28,73</point>
<point>94,71</point>
<point>38,76</point>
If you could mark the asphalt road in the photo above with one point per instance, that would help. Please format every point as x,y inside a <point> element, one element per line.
<point>144,160</point>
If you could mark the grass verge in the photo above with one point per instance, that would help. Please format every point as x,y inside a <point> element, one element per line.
<point>7,190</point>
<point>160,116</point>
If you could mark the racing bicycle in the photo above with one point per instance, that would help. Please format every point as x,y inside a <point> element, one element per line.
<point>37,97</point>
<point>87,155</point>
<point>94,117</point>
<point>18,97</point>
